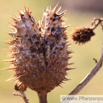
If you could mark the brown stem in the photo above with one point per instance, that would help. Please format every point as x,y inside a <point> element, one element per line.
<point>24,96</point>
<point>42,97</point>
<point>96,22</point>
<point>86,80</point>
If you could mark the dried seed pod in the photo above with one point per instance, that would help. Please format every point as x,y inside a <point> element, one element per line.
<point>82,35</point>
<point>40,51</point>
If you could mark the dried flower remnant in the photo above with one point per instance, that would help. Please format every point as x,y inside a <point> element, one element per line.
<point>39,51</point>
<point>19,87</point>
<point>82,35</point>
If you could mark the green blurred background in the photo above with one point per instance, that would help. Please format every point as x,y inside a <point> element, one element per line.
<point>82,58</point>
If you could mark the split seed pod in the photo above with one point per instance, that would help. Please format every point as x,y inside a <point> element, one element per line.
<point>39,51</point>
<point>82,35</point>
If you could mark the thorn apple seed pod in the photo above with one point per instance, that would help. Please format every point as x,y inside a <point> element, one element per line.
<point>40,52</point>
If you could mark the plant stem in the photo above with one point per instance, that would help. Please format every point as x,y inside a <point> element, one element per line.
<point>24,96</point>
<point>99,20</point>
<point>86,80</point>
<point>42,97</point>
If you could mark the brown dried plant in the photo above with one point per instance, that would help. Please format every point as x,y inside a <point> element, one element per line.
<point>41,52</point>
<point>82,35</point>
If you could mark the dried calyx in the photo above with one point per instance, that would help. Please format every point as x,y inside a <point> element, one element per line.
<point>39,51</point>
<point>82,35</point>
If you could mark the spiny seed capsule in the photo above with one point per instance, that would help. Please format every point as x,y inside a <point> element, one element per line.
<point>40,51</point>
<point>82,35</point>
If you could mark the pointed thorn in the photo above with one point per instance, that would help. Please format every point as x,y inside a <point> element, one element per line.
<point>10,42</point>
<point>6,42</point>
<point>66,26</point>
<point>70,63</point>
<point>15,53</point>
<point>39,22</point>
<point>65,79</point>
<point>58,10</point>
<point>11,34</point>
<point>8,68</point>
<point>47,8</point>
<point>14,19</point>
<point>15,15</point>
<point>19,12</point>
<point>13,25</point>
<point>13,79</point>
<point>55,8</point>
<point>7,50</point>
<point>50,10</point>
<point>10,61</point>
<point>24,8</point>
<point>60,86</point>
<point>62,14</point>
<point>68,57</point>
<point>70,68</point>
<point>10,56</point>
<point>28,10</point>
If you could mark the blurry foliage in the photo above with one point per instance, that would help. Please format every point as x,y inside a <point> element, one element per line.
<point>83,57</point>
